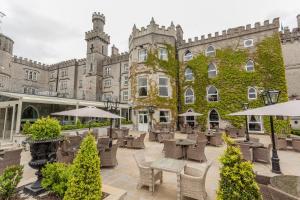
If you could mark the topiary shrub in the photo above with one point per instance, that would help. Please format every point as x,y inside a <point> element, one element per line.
<point>85,182</point>
<point>9,181</point>
<point>237,177</point>
<point>55,178</point>
<point>45,129</point>
<point>26,127</point>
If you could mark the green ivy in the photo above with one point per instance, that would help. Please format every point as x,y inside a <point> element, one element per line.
<point>233,81</point>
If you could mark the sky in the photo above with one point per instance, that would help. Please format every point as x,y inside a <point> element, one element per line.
<point>51,31</point>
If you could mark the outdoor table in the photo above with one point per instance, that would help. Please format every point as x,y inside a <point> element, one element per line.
<point>185,143</point>
<point>208,136</point>
<point>169,165</point>
<point>252,144</point>
<point>287,183</point>
<point>157,132</point>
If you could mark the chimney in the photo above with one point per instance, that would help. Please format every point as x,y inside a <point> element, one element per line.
<point>298,20</point>
<point>114,51</point>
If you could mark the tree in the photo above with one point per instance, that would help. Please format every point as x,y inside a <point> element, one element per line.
<point>85,182</point>
<point>237,178</point>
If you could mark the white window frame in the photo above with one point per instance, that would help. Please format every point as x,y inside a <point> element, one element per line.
<point>125,80</point>
<point>107,83</point>
<point>247,46</point>
<point>186,74</point>
<point>107,71</point>
<point>163,53</point>
<point>212,52</point>
<point>247,66</point>
<point>142,55</point>
<point>190,119</point>
<point>163,86</point>
<point>125,68</point>
<point>189,96</point>
<point>209,121</point>
<point>125,95</point>
<point>212,70</point>
<point>167,117</point>
<point>142,86</point>
<point>249,93</point>
<point>188,55</point>
<point>34,76</point>
<point>260,122</point>
<point>30,75</point>
<point>210,95</point>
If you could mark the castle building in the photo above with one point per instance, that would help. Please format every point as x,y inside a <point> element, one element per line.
<point>154,73</point>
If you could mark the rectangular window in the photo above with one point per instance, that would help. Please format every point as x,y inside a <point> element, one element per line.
<point>52,75</point>
<point>125,68</point>
<point>142,86</point>
<point>164,116</point>
<point>107,83</point>
<point>107,97</point>
<point>163,87</point>
<point>125,80</point>
<point>84,70</point>
<point>255,123</point>
<point>107,71</point>
<point>125,96</point>
<point>163,54</point>
<point>80,84</point>
<point>142,55</point>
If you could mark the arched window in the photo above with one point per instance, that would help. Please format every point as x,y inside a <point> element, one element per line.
<point>213,119</point>
<point>188,74</point>
<point>212,94</point>
<point>212,70</point>
<point>252,93</point>
<point>34,76</point>
<point>30,113</point>
<point>187,55</point>
<point>30,75</point>
<point>210,51</point>
<point>189,96</point>
<point>249,66</point>
<point>190,120</point>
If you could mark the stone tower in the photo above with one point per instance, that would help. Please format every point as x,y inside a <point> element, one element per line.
<point>6,49</point>
<point>97,50</point>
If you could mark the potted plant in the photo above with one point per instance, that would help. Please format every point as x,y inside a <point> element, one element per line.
<point>44,138</point>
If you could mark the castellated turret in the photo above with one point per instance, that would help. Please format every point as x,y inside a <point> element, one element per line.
<point>6,49</point>
<point>98,21</point>
<point>298,20</point>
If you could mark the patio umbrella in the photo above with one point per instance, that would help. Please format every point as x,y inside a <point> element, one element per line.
<point>90,112</point>
<point>190,114</point>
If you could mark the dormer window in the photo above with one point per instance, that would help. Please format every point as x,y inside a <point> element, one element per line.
<point>248,43</point>
<point>187,55</point>
<point>142,55</point>
<point>210,51</point>
<point>163,54</point>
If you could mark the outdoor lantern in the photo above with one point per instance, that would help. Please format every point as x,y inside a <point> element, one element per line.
<point>270,96</point>
<point>245,106</point>
<point>151,109</point>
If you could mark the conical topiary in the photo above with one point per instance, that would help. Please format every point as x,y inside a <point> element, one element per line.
<point>237,178</point>
<point>85,182</point>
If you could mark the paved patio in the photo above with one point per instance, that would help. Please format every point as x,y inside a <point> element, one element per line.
<point>125,175</point>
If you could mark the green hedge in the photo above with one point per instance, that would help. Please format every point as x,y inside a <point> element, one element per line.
<point>79,125</point>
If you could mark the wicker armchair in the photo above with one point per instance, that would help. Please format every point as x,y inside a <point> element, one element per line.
<point>232,132</point>
<point>108,157</point>
<point>263,182</point>
<point>252,139</point>
<point>280,195</point>
<point>103,143</point>
<point>125,131</point>
<point>152,136</point>
<point>281,143</point>
<point>10,157</point>
<point>72,143</point>
<point>95,133</point>
<point>63,156</point>
<point>246,151</point>
<point>192,183</point>
<point>172,150</point>
<point>262,154</point>
<point>137,143</point>
<point>242,132</point>
<point>201,137</point>
<point>165,136</point>
<point>114,134</point>
<point>216,140</point>
<point>146,177</point>
<point>296,144</point>
<point>193,136</point>
<point>181,128</point>
<point>188,130</point>
<point>197,152</point>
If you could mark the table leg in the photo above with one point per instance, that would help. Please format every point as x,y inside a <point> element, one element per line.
<point>152,184</point>
<point>178,187</point>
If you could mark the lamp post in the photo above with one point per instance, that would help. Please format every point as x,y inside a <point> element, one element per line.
<point>271,97</point>
<point>245,107</point>
<point>111,106</point>
<point>151,110</point>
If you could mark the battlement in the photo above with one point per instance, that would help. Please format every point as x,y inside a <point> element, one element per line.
<point>153,28</point>
<point>94,34</point>
<point>98,15</point>
<point>63,64</point>
<point>231,33</point>
<point>81,61</point>
<point>117,58</point>
<point>30,63</point>
<point>290,36</point>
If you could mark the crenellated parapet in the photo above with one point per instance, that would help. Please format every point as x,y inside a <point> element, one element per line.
<point>290,36</point>
<point>81,61</point>
<point>93,34</point>
<point>232,33</point>
<point>153,28</point>
<point>6,44</point>
<point>30,63</point>
<point>116,59</point>
<point>67,63</point>
<point>98,16</point>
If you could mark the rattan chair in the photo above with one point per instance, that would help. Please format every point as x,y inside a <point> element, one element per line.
<point>252,139</point>
<point>172,150</point>
<point>188,130</point>
<point>95,133</point>
<point>125,131</point>
<point>216,139</point>
<point>281,143</point>
<point>262,154</point>
<point>201,137</point>
<point>63,156</point>
<point>108,158</point>
<point>232,132</point>
<point>165,136</point>
<point>197,152</point>
<point>296,144</point>
<point>246,151</point>
<point>103,143</point>
<point>10,157</point>
<point>280,195</point>
<point>263,182</point>
<point>152,136</point>
<point>193,136</point>
<point>137,143</point>
<point>242,132</point>
<point>192,183</point>
<point>146,178</point>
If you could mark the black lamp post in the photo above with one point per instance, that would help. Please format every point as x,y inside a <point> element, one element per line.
<point>151,110</point>
<point>245,107</point>
<point>111,106</point>
<point>271,97</point>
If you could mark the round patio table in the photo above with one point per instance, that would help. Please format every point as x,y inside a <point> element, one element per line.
<point>287,183</point>
<point>184,143</point>
<point>252,144</point>
<point>208,136</point>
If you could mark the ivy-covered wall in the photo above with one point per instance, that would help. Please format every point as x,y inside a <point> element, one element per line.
<point>233,81</point>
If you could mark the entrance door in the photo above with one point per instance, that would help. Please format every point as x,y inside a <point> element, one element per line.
<point>143,121</point>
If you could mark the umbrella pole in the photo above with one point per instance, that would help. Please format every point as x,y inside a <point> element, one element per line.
<point>247,131</point>
<point>275,159</point>
<point>110,130</point>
